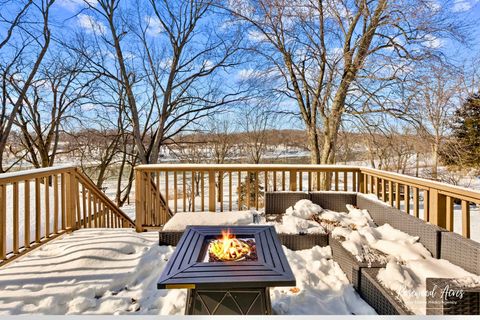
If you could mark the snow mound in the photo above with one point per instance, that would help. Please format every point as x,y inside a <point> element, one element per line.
<point>294,225</point>
<point>322,287</point>
<point>122,273</point>
<point>408,279</point>
<point>354,219</point>
<point>304,209</point>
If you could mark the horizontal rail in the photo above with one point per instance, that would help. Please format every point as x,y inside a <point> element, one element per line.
<point>225,187</point>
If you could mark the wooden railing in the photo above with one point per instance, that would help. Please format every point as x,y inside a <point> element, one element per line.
<point>39,205</point>
<point>163,190</point>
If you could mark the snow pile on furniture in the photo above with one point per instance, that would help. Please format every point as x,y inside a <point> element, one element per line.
<point>408,262</point>
<point>407,277</point>
<point>101,271</point>
<point>181,220</point>
<point>304,209</point>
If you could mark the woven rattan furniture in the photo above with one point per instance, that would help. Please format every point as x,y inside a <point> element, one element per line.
<point>349,264</point>
<point>276,203</point>
<point>383,300</point>
<point>460,251</point>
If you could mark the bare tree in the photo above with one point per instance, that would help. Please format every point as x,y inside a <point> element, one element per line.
<point>327,54</point>
<point>48,107</point>
<point>436,93</point>
<point>255,121</point>
<point>169,80</point>
<point>19,68</point>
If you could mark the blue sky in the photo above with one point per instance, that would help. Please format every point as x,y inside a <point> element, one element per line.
<point>70,15</point>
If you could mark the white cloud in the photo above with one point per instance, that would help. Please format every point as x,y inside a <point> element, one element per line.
<point>154,26</point>
<point>433,42</point>
<point>256,36</point>
<point>72,5</point>
<point>463,5</point>
<point>90,24</point>
<point>246,74</point>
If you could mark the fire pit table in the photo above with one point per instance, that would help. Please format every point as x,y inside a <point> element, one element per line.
<point>227,269</point>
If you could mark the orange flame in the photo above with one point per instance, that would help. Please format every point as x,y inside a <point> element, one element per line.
<point>229,248</point>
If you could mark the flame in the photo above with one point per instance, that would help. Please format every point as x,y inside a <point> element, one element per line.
<point>229,248</point>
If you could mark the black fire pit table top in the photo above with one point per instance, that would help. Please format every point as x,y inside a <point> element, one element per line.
<point>187,269</point>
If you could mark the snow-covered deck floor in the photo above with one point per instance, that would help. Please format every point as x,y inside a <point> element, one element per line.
<point>105,271</point>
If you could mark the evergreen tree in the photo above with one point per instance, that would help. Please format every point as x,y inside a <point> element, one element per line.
<point>463,149</point>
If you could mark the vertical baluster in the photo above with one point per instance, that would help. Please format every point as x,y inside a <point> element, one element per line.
<point>416,204</point>
<point>38,211</point>
<point>202,186</point>
<point>212,205</point>
<point>377,187</point>
<point>274,180</point>
<point>256,189</point>
<point>220,189</point>
<point>449,207</point>
<point>239,190</point>
<point>345,181</point>
<point>397,195</point>
<point>193,191</point>
<point>300,181</point>
<point>318,181</point>
<point>426,205</point>
<point>283,180</point>
<point>47,206</point>
<point>84,206</point>
<point>184,183</point>
<point>406,198</point>
<point>95,215</point>
<point>466,218</point>
<point>15,218</point>
<point>90,213</point>
<point>384,190</point>
<point>175,192</point>
<point>390,193</point>
<point>62,191</point>
<point>26,218</point>
<point>265,180</point>
<point>3,221</point>
<point>248,190</point>
<point>336,180</point>
<point>230,190</point>
<point>55,204</point>
<point>309,181</point>
<point>354,181</point>
<point>167,190</point>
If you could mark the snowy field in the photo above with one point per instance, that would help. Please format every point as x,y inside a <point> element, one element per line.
<point>101,271</point>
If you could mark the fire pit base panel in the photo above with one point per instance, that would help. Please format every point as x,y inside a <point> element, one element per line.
<point>251,301</point>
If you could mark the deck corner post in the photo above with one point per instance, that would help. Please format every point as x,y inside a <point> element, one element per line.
<point>70,200</point>
<point>139,200</point>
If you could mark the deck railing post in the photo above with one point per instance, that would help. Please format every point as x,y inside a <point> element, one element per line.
<point>361,183</point>
<point>70,200</point>
<point>139,200</point>
<point>438,208</point>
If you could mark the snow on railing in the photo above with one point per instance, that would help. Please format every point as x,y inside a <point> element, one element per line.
<point>165,189</point>
<point>40,204</point>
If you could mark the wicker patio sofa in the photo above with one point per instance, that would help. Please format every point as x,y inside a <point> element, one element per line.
<point>363,276</point>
